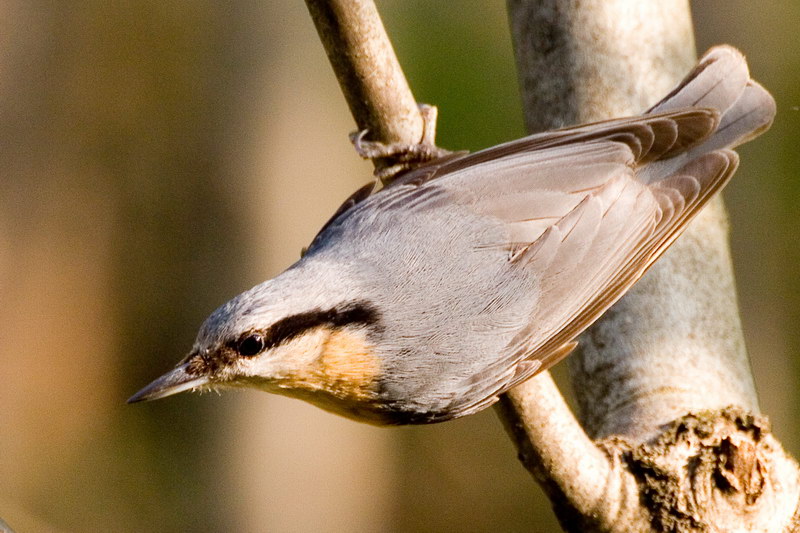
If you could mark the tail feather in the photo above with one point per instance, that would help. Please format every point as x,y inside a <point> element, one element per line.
<point>721,81</point>
<point>750,116</point>
<point>716,82</point>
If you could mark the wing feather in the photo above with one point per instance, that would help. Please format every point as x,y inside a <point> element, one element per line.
<point>634,229</point>
<point>588,154</point>
<point>586,210</point>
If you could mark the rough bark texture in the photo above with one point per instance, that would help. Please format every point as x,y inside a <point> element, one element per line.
<point>718,470</point>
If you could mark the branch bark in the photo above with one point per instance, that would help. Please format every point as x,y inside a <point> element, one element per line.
<point>369,74</point>
<point>656,373</point>
<point>666,368</point>
<point>611,59</point>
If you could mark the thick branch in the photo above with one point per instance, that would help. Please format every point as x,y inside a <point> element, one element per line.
<point>673,345</point>
<point>368,71</point>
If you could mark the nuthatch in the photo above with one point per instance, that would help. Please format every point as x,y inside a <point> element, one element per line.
<point>466,276</point>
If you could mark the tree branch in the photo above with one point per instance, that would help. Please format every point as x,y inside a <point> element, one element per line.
<point>673,345</point>
<point>575,474</point>
<point>659,465</point>
<point>368,72</point>
<point>582,62</point>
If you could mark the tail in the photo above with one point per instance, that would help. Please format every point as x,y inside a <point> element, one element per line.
<point>721,82</point>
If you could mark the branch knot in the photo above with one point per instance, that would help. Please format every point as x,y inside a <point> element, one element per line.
<point>710,469</point>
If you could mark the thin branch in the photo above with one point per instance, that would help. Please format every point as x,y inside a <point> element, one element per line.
<point>381,101</point>
<point>575,473</point>
<point>368,72</point>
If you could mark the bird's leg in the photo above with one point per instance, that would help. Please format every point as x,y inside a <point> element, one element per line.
<point>400,156</point>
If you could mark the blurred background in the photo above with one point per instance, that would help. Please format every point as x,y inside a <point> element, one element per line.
<point>158,157</point>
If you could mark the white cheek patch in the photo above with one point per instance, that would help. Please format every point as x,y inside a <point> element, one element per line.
<point>285,360</point>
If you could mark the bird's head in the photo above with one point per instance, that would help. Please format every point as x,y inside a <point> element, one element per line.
<point>319,351</point>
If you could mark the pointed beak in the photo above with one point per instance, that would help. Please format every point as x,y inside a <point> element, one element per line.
<point>175,381</point>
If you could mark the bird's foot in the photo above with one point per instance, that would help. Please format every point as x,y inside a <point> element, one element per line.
<point>393,158</point>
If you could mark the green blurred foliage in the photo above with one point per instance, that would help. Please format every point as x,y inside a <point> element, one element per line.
<point>462,61</point>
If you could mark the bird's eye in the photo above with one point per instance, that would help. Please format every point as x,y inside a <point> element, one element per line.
<point>251,345</point>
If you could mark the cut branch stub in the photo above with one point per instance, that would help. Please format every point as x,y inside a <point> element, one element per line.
<point>713,471</point>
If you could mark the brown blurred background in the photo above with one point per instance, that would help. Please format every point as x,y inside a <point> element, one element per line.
<point>158,157</point>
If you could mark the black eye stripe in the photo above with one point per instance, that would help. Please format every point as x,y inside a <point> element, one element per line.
<point>286,329</point>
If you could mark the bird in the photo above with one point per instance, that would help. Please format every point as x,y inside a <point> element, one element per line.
<point>425,300</point>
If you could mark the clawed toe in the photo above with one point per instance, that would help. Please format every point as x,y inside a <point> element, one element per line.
<point>399,157</point>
